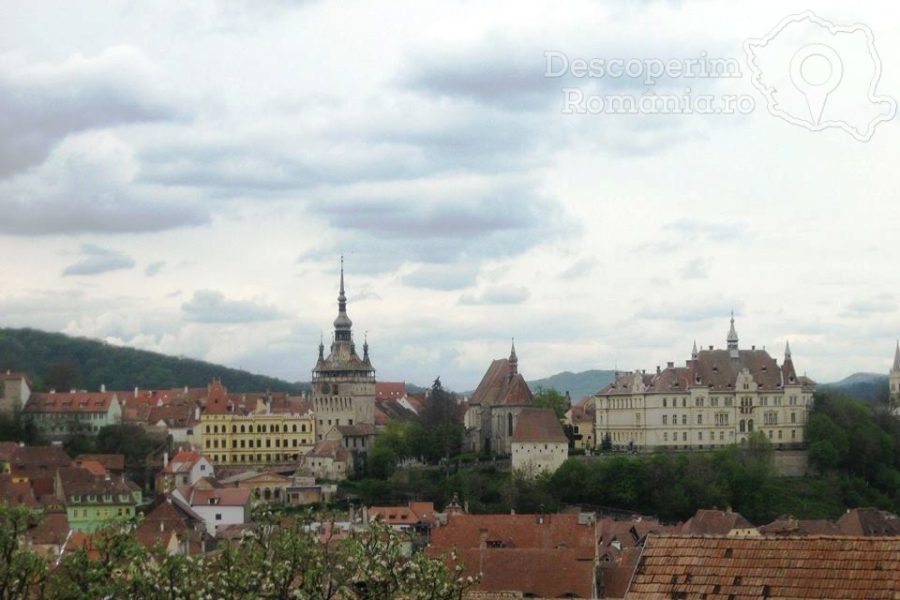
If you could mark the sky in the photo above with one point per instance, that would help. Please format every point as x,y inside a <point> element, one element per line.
<point>184,177</point>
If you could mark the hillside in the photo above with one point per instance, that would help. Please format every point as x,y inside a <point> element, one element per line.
<point>54,360</point>
<point>579,385</point>
<point>870,387</point>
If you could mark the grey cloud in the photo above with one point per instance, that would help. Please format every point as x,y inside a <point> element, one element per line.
<point>687,312</point>
<point>97,260</point>
<point>497,295</point>
<point>86,186</point>
<point>580,268</point>
<point>442,276</point>
<point>209,306</point>
<point>441,223</point>
<point>695,269</point>
<point>154,268</point>
<point>40,104</point>
<point>875,305</point>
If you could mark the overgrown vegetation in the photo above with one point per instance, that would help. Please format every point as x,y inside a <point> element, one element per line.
<point>62,362</point>
<point>279,559</point>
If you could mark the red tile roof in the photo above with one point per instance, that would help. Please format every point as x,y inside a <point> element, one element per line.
<point>515,531</point>
<point>715,522</point>
<point>329,449</point>
<point>216,399</point>
<point>385,390</point>
<point>218,496</point>
<point>16,493</point>
<point>111,462</point>
<point>498,387</point>
<point>413,514</point>
<point>69,402</point>
<point>53,529</point>
<point>869,522</point>
<point>538,425</point>
<point>534,572</point>
<point>776,568</point>
<point>796,527</point>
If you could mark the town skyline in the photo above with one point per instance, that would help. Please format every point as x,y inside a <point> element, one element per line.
<point>168,207</point>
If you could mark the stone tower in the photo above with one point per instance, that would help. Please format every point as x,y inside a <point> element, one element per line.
<point>894,379</point>
<point>343,384</point>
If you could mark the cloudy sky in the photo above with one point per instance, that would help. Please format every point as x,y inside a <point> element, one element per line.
<point>183,177</point>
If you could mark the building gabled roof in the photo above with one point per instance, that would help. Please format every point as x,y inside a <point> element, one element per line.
<point>869,522</point>
<point>329,449</point>
<point>538,425</point>
<point>76,481</point>
<point>502,386</point>
<point>533,572</point>
<point>415,513</point>
<point>516,531</point>
<point>715,522</point>
<point>215,496</point>
<point>16,493</point>
<point>53,529</point>
<point>788,526</point>
<point>802,567</point>
<point>36,462</point>
<point>390,390</point>
<point>111,462</point>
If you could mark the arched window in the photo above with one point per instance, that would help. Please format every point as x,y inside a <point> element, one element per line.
<point>743,426</point>
<point>509,424</point>
<point>750,425</point>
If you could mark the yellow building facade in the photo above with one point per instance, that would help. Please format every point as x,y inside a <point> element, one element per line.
<point>230,436</point>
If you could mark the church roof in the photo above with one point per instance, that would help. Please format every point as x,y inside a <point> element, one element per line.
<point>498,388</point>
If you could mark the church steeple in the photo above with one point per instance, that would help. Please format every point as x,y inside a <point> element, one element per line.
<point>694,352</point>
<point>896,368</point>
<point>342,324</point>
<point>513,360</point>
<point>787,351</point>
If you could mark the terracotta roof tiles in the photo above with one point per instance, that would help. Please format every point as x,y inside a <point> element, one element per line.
<point>739,568</point>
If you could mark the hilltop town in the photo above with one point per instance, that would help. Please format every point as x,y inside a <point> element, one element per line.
<point>192,472</point>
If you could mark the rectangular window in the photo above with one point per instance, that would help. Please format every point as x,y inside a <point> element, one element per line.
<point>699,419</point>
<point>665,419</point>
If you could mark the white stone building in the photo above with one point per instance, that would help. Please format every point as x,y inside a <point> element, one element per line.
<point>538,442</point>
<point>718,398</point>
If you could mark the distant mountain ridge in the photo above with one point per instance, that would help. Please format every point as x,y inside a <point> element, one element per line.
<point>579,385</point>
<point>62,361</point>
<point>871,387</point>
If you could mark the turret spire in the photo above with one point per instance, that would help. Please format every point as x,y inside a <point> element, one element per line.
<point>366,346</point>
<point>733,339</point>
<point>787,351</point>
<point>694,353</point>
<point>513,360</point>
<point>342,324</point>
<point>321,346</point>
<point>897,358</point>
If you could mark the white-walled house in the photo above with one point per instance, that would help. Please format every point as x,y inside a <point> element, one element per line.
<point>538,442</point>
<point>184,469</point>
<point>219,507</point>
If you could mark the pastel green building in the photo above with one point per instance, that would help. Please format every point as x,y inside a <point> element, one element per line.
<point>92,502</point>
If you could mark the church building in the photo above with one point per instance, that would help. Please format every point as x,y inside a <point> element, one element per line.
<point>495,406</point>
<point>343,387</point>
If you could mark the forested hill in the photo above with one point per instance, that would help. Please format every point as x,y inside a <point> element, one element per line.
<point>579,385</point>
<point>54,360</point>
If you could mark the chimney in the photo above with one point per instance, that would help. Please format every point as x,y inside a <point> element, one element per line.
<point>165,459</point>
<point>103,388</point>
<point>135,391</point>
<point>670,365</point>
<point>72,391</point>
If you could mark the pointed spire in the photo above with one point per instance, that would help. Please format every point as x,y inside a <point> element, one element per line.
<point>787,350</point>
<point>366,346</point>
<point>513,360</point>
<point>321,346</point>
<point>342,324</point>
<point>897,358</point>
<point>694,352</point>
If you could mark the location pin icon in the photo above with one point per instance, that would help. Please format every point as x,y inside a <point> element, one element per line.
<point>816,92</point>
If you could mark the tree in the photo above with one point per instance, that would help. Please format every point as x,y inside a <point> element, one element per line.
<point>62,376</point>
<point>20,568</point>
<point>550,398</point>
